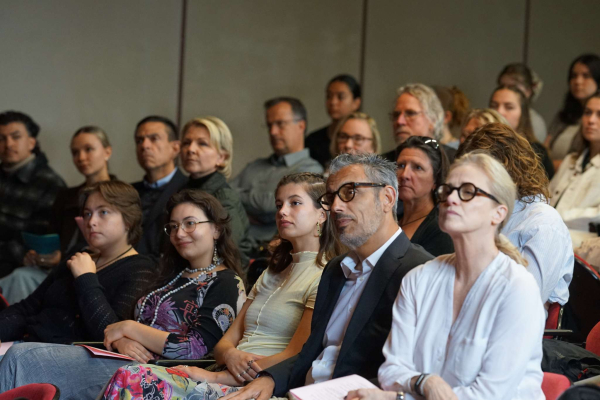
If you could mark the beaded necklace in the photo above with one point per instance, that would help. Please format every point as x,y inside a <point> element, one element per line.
<point>216,261</point>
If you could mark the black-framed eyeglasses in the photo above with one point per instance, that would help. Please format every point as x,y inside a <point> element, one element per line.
<point>346,193</point>
<point>466,192</point>
<point>187,226</point>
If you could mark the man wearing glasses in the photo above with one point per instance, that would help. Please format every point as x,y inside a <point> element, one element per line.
<point>286,124</point>
<point>418,112</point>
<point>353,311</point>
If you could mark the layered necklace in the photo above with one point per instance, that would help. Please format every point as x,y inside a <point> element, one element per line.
<point>216,261</point>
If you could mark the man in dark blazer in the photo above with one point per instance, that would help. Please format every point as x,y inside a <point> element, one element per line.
<point>156,149</point>
<point>353,310</point>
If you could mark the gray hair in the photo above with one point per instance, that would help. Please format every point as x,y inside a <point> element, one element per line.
<point>432,107</point>
<point>377,170</point>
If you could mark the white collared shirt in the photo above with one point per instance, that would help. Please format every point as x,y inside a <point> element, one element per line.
<point>357,275</point>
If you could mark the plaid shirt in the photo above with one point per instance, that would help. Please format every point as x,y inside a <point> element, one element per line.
<point>26,199</point>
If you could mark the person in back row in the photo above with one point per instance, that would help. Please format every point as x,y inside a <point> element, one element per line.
<point>355,134</point>
<point>417,112</point>
<point>275,320</point>
<point>478,117</point>
<point>353,311</point>
<point>28,187</point>
<point>156,148</point>
<point>534,227</point>
<point>286,121</point>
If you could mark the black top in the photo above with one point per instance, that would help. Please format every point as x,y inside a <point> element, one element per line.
<point>430,236</point>
<point>318,143</point>
<point>63,309</point>
<point>541,151</point>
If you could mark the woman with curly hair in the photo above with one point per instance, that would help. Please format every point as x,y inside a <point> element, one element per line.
<point>535,227</point>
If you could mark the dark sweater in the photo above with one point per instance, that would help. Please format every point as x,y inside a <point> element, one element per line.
<point>318,143</point>
<point>430,236</point>
<point>63,309</point>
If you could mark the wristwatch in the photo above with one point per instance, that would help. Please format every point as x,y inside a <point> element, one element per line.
<point>260,375</point>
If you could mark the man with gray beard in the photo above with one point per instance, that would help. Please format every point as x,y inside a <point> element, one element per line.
<point>353,311</point>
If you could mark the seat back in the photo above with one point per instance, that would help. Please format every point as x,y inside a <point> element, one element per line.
<point>554,385</point>
<point>582,313</point>
<point>592,342</point>
<point>33,391</point>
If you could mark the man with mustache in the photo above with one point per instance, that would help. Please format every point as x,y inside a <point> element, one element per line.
<point>353,311</point>
<point>286,122</point>
<point>417,112</point>
<point>156,146</point>
<point>28,187</point>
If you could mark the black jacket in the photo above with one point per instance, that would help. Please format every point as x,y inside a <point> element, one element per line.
<point>361,351</point>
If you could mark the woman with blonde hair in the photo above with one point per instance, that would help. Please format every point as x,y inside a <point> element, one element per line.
<point>207,154</point>
<point>478,117</point>
<point>354,134</point>
<point>456,317</point>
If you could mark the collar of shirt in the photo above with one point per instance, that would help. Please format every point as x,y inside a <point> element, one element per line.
<point>353,267</point>
<point>290,159</point>
<point>161,182</point>
<point>579,163</point>
<point>24,170</point>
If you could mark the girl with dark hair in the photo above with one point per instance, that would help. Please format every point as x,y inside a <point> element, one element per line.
<point>184,314</point>
<point>574,189</point>
<point>343,97</point>
<point>512,104</point>
<point>422,166</point>
<point>275,320</point>
<point>584,81</point>
<point>519,75</point>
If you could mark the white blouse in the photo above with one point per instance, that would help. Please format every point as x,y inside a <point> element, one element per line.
<point>494,348</point>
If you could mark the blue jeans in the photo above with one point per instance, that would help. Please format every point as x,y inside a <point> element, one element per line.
<point>72,369</point>
<point>22,282</point>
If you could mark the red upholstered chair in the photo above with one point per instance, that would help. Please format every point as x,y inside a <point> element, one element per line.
<point>34,391</point>
<point>592,342</point>
<point>554,385</point>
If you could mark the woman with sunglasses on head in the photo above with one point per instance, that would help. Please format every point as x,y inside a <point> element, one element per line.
<point>275,320</point>
<point>467,325</point>
<point>357,133</point>
<point>194,300</point>
<point>422,167</point>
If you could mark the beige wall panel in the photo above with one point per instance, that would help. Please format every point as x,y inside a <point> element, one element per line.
<point>463,43</point>
<point>560,31</point>
<point>69,63</point>
<point>240,53</point>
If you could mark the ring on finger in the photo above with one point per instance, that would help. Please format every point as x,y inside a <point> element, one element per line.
<point>250,362</point>
<point>239,375</point>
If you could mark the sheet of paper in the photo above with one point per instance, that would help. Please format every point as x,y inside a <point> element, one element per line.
<point>4,346</point>
<point>104,353</point>
<point>335,389</point>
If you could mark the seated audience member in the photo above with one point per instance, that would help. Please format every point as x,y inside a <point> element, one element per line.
<point>468,325</point>
<point>456,107</point>
<point>192,302</point>
<point>519,75</point>
<point>87,292</point>
<point>534,226</point>
<point>479,117</point>
<point>207,155</point>
<point>422,167</point>
<point>28,187</point>
<point>584,81</point>
<point>342,98</point>
<point>275,320</point>
<point>355,134</point>
<point>286,121</point>
<point>91,151</point>
<point>575,189</point>
<point>418,112</point>
<point>353,311</point>
<point>512,104</point>
<point>156,148</point>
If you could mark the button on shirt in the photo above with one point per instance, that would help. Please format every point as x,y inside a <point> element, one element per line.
<point>357,275</point>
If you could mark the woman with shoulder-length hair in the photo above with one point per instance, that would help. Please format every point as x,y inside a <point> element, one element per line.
<point>207,155</point>
<point>354,134</point>
<point>478,117</point>
<point>456,317</point>
<point>574,189</point>
<point>192,301</point>
<point>534,227</point>
<point>275,320</point>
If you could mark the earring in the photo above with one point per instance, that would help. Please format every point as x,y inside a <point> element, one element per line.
<point>215,255</point>
<point>319,232</point>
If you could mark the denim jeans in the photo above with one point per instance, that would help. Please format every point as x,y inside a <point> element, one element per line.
<point>22,282</point>
<point>72,369</point>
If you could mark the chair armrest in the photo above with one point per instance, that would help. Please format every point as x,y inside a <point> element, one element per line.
<point>558,332</point>
<point>192,363</point>
<point>98,345</point>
